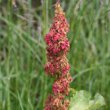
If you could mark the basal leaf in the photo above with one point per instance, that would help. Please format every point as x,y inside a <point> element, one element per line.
<point>82,101</point>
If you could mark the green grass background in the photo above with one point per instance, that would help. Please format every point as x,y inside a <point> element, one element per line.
<point>23,82</point>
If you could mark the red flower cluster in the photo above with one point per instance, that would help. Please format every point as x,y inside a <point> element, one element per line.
<point>56,103</point>
<point>61,85</point>
<point>56,38</point>
<point>57,65</point>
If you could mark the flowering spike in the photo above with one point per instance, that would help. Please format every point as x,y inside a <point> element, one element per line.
<point>57,65</point>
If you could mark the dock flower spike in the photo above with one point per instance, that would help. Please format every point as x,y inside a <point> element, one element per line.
<point>57,65</point>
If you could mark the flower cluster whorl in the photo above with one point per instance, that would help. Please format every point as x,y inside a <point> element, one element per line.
<point>57,65</point>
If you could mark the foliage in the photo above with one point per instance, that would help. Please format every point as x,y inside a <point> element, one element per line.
<point>82,101</point>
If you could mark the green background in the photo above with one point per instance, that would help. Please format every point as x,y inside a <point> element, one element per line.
<point>23,82</point>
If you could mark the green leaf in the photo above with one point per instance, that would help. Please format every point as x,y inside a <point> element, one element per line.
<point>82,101</point>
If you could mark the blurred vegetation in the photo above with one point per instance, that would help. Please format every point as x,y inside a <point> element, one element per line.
<point>23,24</point>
